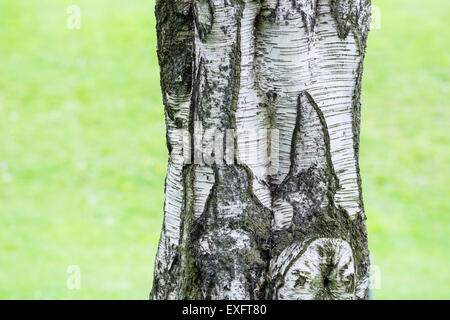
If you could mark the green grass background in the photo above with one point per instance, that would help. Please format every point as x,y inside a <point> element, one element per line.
<point>83,157</point>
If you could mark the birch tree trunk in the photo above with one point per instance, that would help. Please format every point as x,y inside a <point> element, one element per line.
<point>263,192</point>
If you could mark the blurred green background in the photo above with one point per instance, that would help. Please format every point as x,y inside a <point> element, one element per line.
<point>83,156</point>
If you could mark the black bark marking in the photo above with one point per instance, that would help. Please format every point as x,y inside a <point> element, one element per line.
<point>204,17</point>
<point>352,15</point>
<point>308,10</point>
<point>233,185</point>
<point>174,32</point>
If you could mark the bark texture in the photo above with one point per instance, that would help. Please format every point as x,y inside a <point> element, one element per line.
<point>280,214</point>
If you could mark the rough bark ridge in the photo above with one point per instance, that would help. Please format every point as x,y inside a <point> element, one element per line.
<point>240,227</point>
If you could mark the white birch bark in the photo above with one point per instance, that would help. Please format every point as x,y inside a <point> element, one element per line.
<point>283,77</point>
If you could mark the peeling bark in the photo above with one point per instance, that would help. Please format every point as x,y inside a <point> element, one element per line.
<point>235,228</point>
